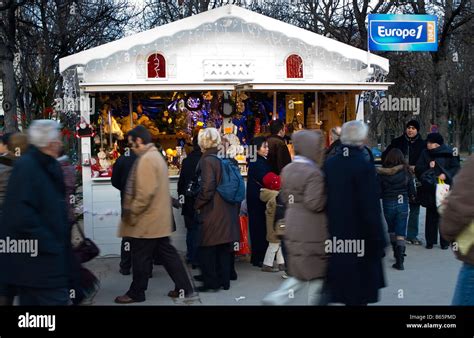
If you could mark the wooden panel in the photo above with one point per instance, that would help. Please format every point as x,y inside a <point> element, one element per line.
<point>105,193</point>
<point>107,235</point>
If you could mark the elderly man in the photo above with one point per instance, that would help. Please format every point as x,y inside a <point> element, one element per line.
<point>35,212</point>
<point>354,277</point>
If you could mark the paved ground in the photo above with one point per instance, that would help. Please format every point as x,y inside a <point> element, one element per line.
<point>429,279</point>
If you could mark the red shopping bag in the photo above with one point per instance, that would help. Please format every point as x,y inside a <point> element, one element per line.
<point>244,246</point>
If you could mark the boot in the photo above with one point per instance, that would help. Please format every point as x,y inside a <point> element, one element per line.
<point>394,245</point>
<point>399,257</point>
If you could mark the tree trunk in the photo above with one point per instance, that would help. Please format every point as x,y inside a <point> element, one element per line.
<point>7,76</point>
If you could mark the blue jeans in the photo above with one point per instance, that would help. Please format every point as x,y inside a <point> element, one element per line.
<point>396,215</point>
<point>464,293</point>
<point>413,221</point>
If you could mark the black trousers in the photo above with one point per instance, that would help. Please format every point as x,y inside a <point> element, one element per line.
<point>142,258</point>
<point>431,228</point>
<point>125,254</point>
<point>215,265</point>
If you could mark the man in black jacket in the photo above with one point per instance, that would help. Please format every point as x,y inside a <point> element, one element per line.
<point>411,145</point>
<point>35,214</point>
<point>121,169</point>
<point>188,172</point>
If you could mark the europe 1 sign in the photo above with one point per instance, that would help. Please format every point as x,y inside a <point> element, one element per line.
<point>401,32</point>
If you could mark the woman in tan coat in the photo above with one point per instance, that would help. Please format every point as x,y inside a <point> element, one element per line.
<point>306,223</point>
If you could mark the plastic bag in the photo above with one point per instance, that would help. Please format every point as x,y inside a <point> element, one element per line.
<point>244,245</point>
<point>442,190</point>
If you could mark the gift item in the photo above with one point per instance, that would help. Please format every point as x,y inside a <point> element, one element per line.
<point>84,129</point>
<point>442,190</point>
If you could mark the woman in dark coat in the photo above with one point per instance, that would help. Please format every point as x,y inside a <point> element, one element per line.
<point>353,209</point>
<point>397,189</point>
<point>218,219</point>
<point>258,168</point>
<point>188,172</point>
<point>440,160</point>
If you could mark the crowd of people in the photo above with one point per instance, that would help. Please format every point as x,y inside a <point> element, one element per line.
<point>317,215</point>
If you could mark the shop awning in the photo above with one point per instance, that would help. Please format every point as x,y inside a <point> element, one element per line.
<point>309,87</point>
<point>248,86</point>
<point>152,87</point>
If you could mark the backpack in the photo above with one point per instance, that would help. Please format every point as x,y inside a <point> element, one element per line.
<point>232,185</point>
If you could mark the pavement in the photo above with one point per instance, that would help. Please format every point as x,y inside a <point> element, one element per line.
<point>429,278</point>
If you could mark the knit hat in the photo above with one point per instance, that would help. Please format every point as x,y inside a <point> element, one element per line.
<point>435,138</point>
<point>415,124</point>
<point>272,181</point>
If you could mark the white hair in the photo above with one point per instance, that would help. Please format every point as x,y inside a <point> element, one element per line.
<point>354,133</point>
<point>209,138</point>
<point>42,132</point>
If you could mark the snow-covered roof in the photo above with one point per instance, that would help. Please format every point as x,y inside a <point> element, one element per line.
<point>228,11</point>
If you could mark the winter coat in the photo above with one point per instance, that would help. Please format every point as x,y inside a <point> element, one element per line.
<point>353,210</point>
<point>278,154</point>
<point>333,149</point>
<point>188,171</point>
<point>269,197</point>
<point>35,209</point>
<point>6,166</point>
<point>459,210</point>
<point>304,191</point>
<point>219,219</point>
<point>256,208</point>
<point>147,212</point>
<point>395,182</point>
<point>69,174</point>
<point>411,148</point>
<point>120,172</point>
<point>445,163</point>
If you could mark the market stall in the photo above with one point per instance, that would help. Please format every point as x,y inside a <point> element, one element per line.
<point>229,68</point>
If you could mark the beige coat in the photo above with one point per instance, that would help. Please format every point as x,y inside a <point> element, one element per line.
<point>459,209</point>
<point>269,197</point>
<point>306,230</point>
<point>149,206</point>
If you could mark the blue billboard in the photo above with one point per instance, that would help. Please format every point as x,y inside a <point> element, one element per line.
<point>401,32</point>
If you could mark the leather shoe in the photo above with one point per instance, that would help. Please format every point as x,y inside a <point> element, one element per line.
<point>125,272</point>
<point>125,299</point>
<point>206,289</point>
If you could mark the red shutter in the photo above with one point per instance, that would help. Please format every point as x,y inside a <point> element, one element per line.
<point>156,66</point>
<point>294,67</point>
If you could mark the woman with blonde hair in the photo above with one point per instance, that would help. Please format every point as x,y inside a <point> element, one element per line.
<point>218,228</point>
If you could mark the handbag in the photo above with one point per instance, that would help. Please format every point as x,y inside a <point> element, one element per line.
<point>87,249</point>
<point>194,186</point>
